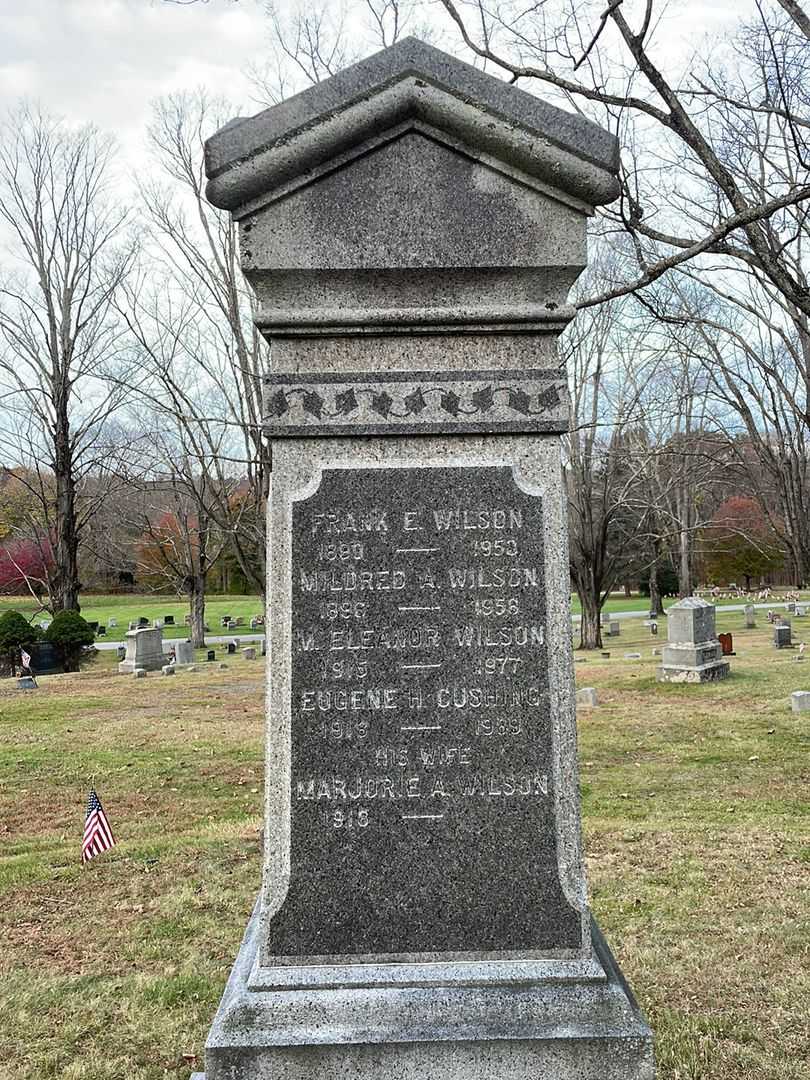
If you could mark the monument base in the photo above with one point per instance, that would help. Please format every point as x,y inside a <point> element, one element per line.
<point>713,672</point>
<point>567,1030</point>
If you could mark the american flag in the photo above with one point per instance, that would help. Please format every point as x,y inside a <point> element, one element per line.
<point>26,659</point>
<point>98,835</point>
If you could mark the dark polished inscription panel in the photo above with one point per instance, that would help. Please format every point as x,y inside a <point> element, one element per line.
<point>422,801</point>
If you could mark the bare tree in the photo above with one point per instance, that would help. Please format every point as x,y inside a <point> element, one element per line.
<point>197,249</point>
<point>67,257</point>
<point>670,126</point>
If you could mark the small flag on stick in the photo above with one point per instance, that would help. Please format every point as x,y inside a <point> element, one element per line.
<point>98,835</point>
<point>26,659</point>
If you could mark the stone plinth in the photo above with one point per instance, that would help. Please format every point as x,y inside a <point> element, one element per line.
<point>412,228</point>
<point>144,650</point>
<point>693,653</point>
<point>782,636</point>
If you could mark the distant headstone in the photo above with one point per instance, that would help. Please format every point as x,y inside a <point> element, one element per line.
<point>144,650</point>
<point>254,622</point>
<point>210,655</point>
<point>102,631</point>
<point>726,643</point>
<point>168,620</point>
<point>693,654</point>
<point>122,652</point>
<point>232,645</point>
<point>781,637</point>
<point>249,653</point>
<point>605,655</point>
<point>587,696</point>
<point>654,629</point>
<point>750,617</point>
<point>142,622</point>
<point>801,611</point>
<point>112,623</point>
<point>183,652</point>
<point>604,618</point>
<point>27,682</point>
<point>225,620</point>
<point>632,656</point>
<point>791,607</point>
<point>168,669</point>
<point>614,629</point>
<point>139,673</point>
<point>45,658</point>
<point>800,701</point>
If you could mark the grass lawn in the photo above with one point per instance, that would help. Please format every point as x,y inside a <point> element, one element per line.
<point>128,608</point>
<point>696,818</point>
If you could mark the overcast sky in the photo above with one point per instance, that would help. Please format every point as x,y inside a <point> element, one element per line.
<point>106,60</point>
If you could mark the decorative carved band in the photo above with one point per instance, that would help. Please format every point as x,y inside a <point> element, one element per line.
<point>415,402</point>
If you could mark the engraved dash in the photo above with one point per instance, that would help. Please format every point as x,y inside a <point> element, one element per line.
<point>417,607</point>
<point>418,667</point>
<point>421,727</point>
<point>418,551</point>
<point>422,817</point>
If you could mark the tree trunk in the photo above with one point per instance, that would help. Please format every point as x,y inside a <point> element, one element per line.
<point>590,629</point>
<point>628,590</point>
<point>65,579</point>
<point>655,596</point>
<point>197,610</point>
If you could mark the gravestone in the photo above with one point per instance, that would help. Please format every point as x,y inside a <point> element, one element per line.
<point>249,653</point>
<point>27,682</point>
<point>791,607</point>
<point>102,631</point>
<point>693,653</point>
<point>587,696</point>
<point>142,622</point>
<point>122,652</point>
<point>726,644</point>
<point>750,617</point>
<point>168,620</point>
<point>144,650</point>
<point>183,652</point>
<point>112,623</point>
<point>654,629</point>
<point>800,701</point>
<point>781,636</point>
<point>801,611</point>
<point>210,655</point>
<point>45,658</point>
<point>614,629</point>
<point>412,228</point>
<point>232,648</point>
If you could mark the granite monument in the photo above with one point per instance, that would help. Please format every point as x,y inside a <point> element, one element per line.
<point>412,228</point>
<point>693,653</point>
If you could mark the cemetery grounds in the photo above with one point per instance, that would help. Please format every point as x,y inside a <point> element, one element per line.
<point>696,831</point>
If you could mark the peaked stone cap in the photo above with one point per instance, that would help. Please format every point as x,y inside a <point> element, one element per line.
<point>253,161</point>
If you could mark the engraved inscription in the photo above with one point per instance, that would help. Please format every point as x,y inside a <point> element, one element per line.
<point>421,800</point>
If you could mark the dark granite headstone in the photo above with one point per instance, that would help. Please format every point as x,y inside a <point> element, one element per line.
<point>168,620</point>
<point>727,643</point>
<point>45,658</point>
<point>421,720</point>
<point>210,655</point>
